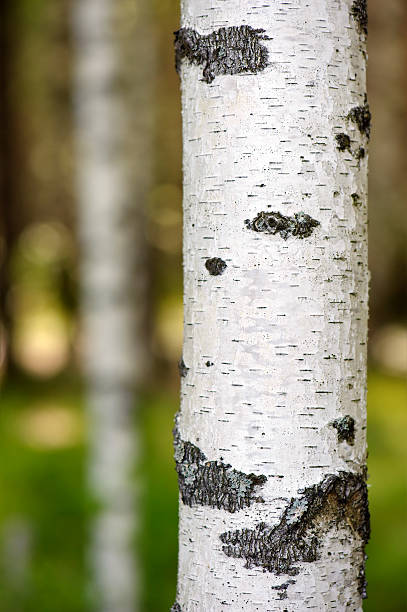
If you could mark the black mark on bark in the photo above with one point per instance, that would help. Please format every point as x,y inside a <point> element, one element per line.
<point>215,266</point>
<point>362,582</point>
<point>345,427</point>
<point>339,498</point>
<point>362,117</point>
<point>209,364</point>
<point>355,199</point>
<point>360,153</point>
<point>182,368</point>
<point>359,13</point>
<point>231,50</point>
<point>176,608</point>
<point>343,142</point>
<point>282,589</point>
<point>212,483</point>
<point>300,225</point>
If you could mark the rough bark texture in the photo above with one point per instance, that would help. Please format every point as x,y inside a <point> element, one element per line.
<point>212,483</point>
<point>296,537</point>
<point>227,51</point>
<point>284,327</point>
<point>300,224</point>
<point>113,82</point>
<point>345,427</point>
<point>215,266</point>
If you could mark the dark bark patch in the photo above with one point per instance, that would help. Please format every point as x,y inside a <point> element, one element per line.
<point>209,364</point>
<point>176,608</point>
<point>359,13</point>
<point>215,266</point>
<point>345,427</point>
<point>360,153</point>
<point>343,142</point>
<point>231,50</point>
<point>356,199</point>
<point>362,582</point>
<point>212,483</point>
<point>339,498</point>
<point>361,116</point>
<point>300,225</point>
<point>282,589</point>
<point>182,368</point>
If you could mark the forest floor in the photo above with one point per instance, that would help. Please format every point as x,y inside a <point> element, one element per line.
<point>45,511</point>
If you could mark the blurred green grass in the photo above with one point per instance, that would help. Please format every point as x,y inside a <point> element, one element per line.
<point>43,486</point>
<point>387,465</point>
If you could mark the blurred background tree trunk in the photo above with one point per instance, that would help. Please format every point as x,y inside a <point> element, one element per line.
<point>114,67</point>
<point>10,215</point>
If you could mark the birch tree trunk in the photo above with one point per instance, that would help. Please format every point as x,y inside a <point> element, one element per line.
<point>270,443</point>
<point>113,104</point>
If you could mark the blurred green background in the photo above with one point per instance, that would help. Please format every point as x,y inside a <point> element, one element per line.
<point>44,506</point>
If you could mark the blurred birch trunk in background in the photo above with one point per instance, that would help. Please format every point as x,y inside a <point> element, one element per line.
<point>114,57</point>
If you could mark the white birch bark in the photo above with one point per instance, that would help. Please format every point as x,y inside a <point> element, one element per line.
<point>275,346</point>
<point>113,111</point>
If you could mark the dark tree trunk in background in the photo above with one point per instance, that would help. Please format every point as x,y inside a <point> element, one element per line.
<point>9,209</point>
